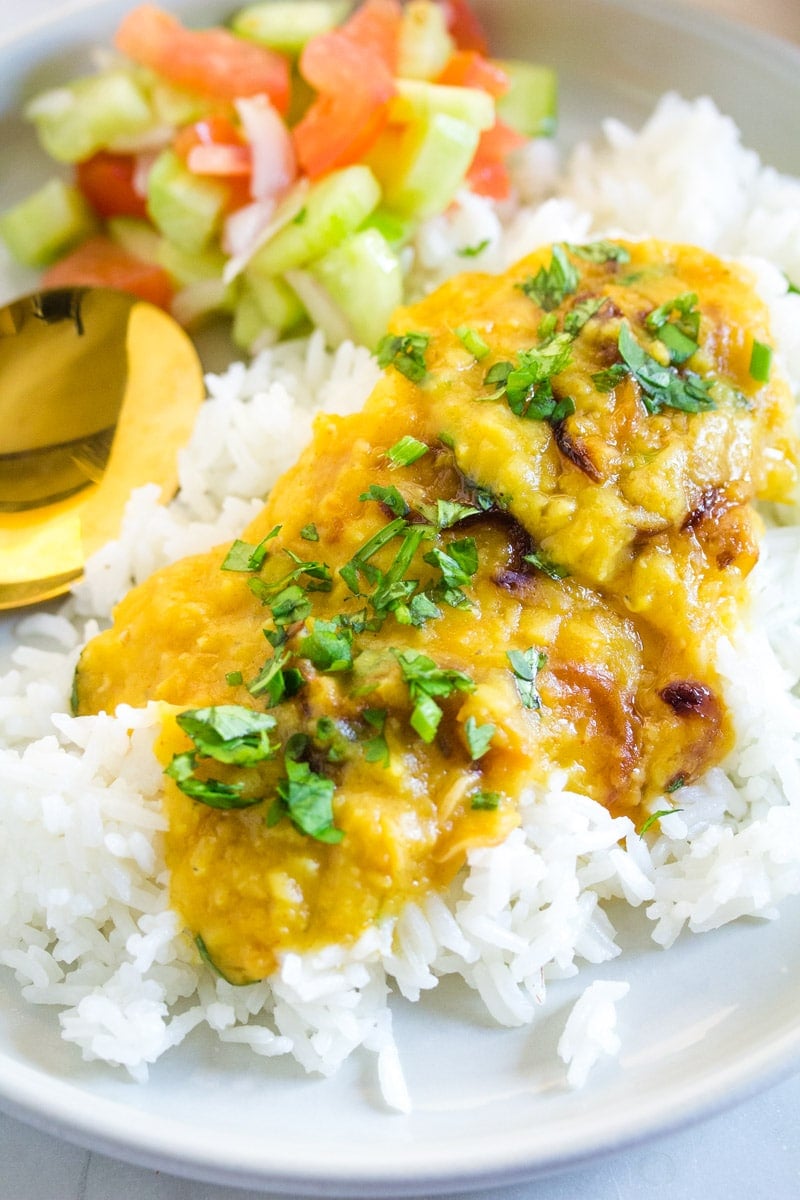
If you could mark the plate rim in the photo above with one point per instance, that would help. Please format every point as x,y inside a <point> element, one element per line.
<point>56,1112</point>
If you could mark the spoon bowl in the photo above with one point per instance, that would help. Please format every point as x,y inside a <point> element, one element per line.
<point>98,391</point>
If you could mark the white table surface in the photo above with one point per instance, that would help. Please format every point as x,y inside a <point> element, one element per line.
<point>751,1152</point>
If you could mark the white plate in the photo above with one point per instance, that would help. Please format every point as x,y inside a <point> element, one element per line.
<point>703,1025</point>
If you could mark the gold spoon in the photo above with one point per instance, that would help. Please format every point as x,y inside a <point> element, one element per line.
<point>98,390</point>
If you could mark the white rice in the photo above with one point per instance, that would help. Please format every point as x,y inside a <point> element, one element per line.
<point>86,924</point>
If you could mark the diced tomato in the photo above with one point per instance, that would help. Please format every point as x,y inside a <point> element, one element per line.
<point>488,175</point>
<point>464,27</point>
<point>352,69</point>
<point>212,62</point>
<point>106,181</point>
<point>376,27</point>
<point>99,262</point>
<point>468,68</point>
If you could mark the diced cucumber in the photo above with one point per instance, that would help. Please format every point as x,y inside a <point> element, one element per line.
<point>135,236</point>
<point>425,44</point>
<point>279,305</point>
<point>46,224</point>
<point>287,25</point>
<point>396,230</point>
<point>199,300</point>
<point>172,105</point>
<point>75,121</point>
<point>531,103</point>
<point>335,207</point>
<point>417,100</point>
<point>421,166</point>
<point>264,305</point>
<point>363,278</point>
<point>186,267</point>
<point>184,207</point>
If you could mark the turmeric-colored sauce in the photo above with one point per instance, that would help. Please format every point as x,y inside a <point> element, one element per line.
<point>536,581</point>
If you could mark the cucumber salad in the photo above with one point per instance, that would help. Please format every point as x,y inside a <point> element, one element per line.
<point>274,170</point>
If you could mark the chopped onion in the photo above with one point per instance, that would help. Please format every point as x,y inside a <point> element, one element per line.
<point>274,161</point>
<point>241,242</point>
<point>141,171</point>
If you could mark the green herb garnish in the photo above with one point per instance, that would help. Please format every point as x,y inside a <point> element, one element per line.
<point>387,496</point>
<point>582,312</point>
<point>472,341</point>
<point>406,451</point>
<point>307,797</point>
<point>551,285</point>
<point>329,646</point>
<point>309,533</point>
<point>277,679</point>
<point>243,556</point>
<point>677,324</point>
<point>760,362</point>
<point>526,385</point>
<point>546,565</point>
<point>473,251</point>
<point>487,801</point>
<point>663,387</point>
<point>650,821</point>
<point>406,353</point>
<point>526,665</point>
<point>234,678</point>
<point>426,681</point>
<point>227,733</point>
<point>478,737</point>
<point>600,252</point>
<point>376,748</point>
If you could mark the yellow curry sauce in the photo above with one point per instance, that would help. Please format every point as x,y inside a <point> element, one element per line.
<point>542,588</point>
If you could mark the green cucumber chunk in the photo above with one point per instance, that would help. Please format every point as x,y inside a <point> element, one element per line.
<point>287,25</point>
<point>185,267</point>
<point>417,100</point>
<point>363,278</point>
<point>421,166</point>
<point>264,304</point>
<point>425,45</point>
<point>395,229</point>
<point>90,114</point>
<point>335,206</point>
<point>47,224</point>
<point>186,208</point>
<point>137,237</point>
<point>531,103</point>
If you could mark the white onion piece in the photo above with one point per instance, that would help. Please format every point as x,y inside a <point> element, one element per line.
<point>149,141</point>
<point>243,225</point>
<point>141,171</point>
<point>317,302</point>
<point>277,217</point>
<point>274,160</point>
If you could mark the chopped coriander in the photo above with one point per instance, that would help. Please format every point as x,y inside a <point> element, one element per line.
<point>448,440</point>
<point>677,324</point>
<point>234,678</point>
<point>329,646</point>
<point>791,288</point>
<point>473,251</point>
<point>243,556</point>
<point>600,252</point>
<point>309,533</point>
<point>551,285</point>
<point>307,797</point>
<point>376,749</point>
<point>486,801</point>
<point>546,565</point>
<point>300,217</point>
<point>202,950</point>
<point>230,733</point>
<point>607,380</point>
<point>478,737</point>
<point>448,513</point>
<point>526,665</point>
<point>547,325</point>
<point>760,362</point>
<point>526,386</point>
<point>333,737</point>
<point>425,681</point>
<point>406,353</point>
<point>458,563</point>
<point>406,451</point>
<point>663,386</point>
<point>472,341</point>
<point>387,496</point>
<point>359,563</point>
<point>422,608</point>
<point>582,312</point>
<point>277,679</point>
<point>650,821</point>
<point>212,792</point>
<point>675,784</point>
<point>290,605</point>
